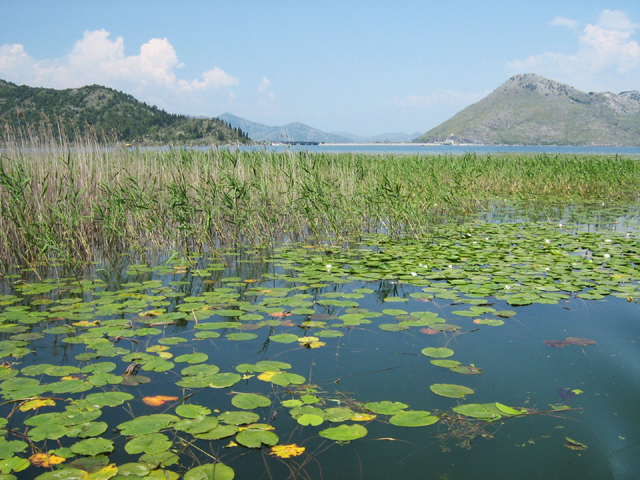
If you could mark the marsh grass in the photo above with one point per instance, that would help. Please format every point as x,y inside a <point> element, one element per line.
<point>72,201</point>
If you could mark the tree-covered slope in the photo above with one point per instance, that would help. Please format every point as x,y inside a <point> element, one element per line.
<point>113,115</point>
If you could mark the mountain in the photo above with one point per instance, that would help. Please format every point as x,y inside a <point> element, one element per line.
<point>112,114</point>
<point>399,137</point>
<point>291,132</point>
<point>532,110</point>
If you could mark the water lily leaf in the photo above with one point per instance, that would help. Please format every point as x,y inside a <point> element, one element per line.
<point>310,419</point>
<point>386,407</point>
<point>287,451</point>
<point>8,448</point>
<point>466,370</point>
<point>192,358</point>
<point>413,418</point>
<point>89,429</point>
<point>285,379</point>
<point>255,438</point>
<point>45,460</point>
<point>437,352</point>
<point>238,418</point>
<point>392,327</point>
<point>192,411</point>
<point>104,473</point>
<point>221,431</point>
<point>222,380</point>
<point>344,433</point>
<point>216,471</point>
<point>241,337</point>
<point>250,401</point>
<point>109,399</point>
<point>284,338</point>
<point>36,403</point>
<point>147,424</point>
<point>50,431</point>
<point>338,414</point>
<point>150,443</point>
<point>92,446</point>
<point>63,474</point>
<point>481,411</point>
<point>450,391</point>
<point>445,363</point>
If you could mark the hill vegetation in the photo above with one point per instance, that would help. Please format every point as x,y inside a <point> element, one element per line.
<point>112,115</point>
<point>532,110</point>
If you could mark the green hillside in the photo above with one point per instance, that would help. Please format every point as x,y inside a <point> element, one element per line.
<point>112,114</point>
<point>533,110</point>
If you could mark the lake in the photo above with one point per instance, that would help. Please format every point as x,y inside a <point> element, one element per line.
<point>495,348</point>
<point>413,149</point>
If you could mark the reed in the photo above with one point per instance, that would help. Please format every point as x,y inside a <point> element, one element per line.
<point>76,202</point>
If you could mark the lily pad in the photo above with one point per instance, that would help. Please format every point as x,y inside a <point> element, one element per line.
<point>210,471</point>
<point>344,433</point>
<point>450,390</point>
<point>413,418</point>
<point>249,401</point>
<point>437,352</point>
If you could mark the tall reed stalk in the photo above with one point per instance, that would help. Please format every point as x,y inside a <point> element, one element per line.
<point>73,202</point>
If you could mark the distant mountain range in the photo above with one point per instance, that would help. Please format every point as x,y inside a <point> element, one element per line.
<point>299,132</point>
<point>532,110</point>
<point>111,114</point>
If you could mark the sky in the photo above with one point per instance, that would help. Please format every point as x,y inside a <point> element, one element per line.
<point>364,67</point>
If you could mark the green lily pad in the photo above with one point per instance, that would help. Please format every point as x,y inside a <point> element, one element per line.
<point>215,471</point>
<point>450,391</point>
<point>238,418</point>
<point>310,419</point>
<point>109,399</point>
<point>437,352</point>
<point>284,338</point>
<point>150,443</point>
<point>254,438</point>
<point>147,424</point>
<point>344,433</point>
<point>192,411</point>
<point>192,358</point>
<point>92,446</point>
<point>386,407</point>
<point>413,418</point>
<point>285,379</point>
<point>249,401</point>
<point>222,380</point>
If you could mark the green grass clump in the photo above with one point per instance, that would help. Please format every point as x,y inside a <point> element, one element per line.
<point>76,203</point>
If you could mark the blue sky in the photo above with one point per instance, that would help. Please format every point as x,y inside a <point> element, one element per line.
<point>363,67</point>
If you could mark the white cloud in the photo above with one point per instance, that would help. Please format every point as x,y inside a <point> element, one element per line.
<point>564,22</point>
<point>607,57</point>
<point>99,59</point>
<point>264,85</point>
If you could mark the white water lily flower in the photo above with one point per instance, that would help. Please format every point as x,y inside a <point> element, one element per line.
<point>507,287</point>
<point>328,265</point>
<point>547,240</point>
<point>559,224</point>
<point>608,240</point>
<point>414,274</point>
<point>606,255</point>
<point>450,266</point>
